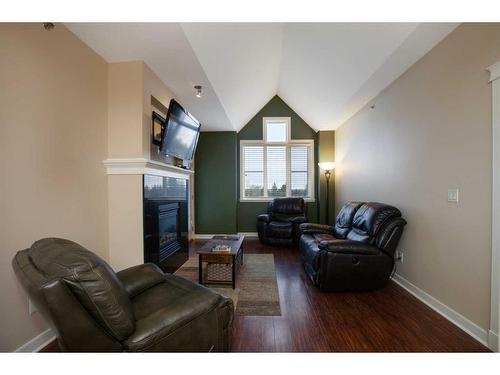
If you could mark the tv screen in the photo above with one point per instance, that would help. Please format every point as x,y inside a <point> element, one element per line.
<point>181,133</point>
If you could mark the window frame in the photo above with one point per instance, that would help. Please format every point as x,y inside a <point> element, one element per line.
<point>288,144</point>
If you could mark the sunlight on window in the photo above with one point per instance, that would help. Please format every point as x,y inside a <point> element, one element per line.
<point>276,131</point>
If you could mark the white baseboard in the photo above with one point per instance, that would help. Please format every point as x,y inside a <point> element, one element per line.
<point>459,320</point>
<point>198,236</point>
<point>37,343</point>
<point>249,234</point>
<point>493,340</point>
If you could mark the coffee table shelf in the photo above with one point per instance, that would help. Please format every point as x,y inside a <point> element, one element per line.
<point>214,259</point>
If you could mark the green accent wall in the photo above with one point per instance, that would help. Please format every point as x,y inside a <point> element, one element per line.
<point>217,205</point>
<point>276,107</point>
<point>326,152</point>
<point>216,183</point>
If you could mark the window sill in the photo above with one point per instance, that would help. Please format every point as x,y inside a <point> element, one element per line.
<point>258,200</point>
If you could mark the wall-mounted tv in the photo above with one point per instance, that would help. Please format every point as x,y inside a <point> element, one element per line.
<point>181,132</point>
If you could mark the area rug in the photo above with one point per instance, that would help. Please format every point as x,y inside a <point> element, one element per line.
<point>256,292</point>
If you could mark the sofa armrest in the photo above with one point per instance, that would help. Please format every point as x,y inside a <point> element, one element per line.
<point>266,218</point>
<point>139,278</point>
<point>311,228</point>
<point>298,219</point>
<point>348,247</point>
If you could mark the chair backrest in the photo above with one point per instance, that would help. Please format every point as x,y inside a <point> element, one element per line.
<point>283,208</point>
<point>71,284</point>
<point>369,220</point>
<point>343,223</point>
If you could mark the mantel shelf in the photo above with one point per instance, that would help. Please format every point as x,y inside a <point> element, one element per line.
<point>141,166</point>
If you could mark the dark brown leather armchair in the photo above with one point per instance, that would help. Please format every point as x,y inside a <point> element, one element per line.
<point>355,254</point>
<point>139,309</point>
<point>280,226</point>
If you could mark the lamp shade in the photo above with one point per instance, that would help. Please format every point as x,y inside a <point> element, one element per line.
<point>327,165</point>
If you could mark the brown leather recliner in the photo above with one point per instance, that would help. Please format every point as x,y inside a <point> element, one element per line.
<point>355,254</point>
<point>139,309</point>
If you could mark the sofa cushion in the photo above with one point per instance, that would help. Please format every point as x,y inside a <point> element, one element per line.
<point>288,206</point>
<point>280,229</point>
<point>368,220</point>
<point>90,279</point>
<point>343,223</point>
<point>165,308</point>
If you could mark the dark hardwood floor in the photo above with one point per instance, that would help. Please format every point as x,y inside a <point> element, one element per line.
<point>387,320</point>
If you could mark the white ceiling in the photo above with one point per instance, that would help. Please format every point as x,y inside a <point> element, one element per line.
<point>326,72</point>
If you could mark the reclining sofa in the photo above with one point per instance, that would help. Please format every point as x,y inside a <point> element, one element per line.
<point>355,254</point>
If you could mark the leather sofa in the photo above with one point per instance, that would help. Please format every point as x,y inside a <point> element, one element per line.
<point>280,226</point>
<point>355,254</point>
<point>139,309</point>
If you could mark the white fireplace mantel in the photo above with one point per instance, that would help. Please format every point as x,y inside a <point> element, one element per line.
<point>140,166</point>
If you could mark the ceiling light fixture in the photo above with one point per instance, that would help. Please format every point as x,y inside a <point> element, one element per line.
<point>48,26</point>
<point>198,91</point>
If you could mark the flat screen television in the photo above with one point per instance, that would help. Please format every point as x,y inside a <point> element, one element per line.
<point>180,137</point>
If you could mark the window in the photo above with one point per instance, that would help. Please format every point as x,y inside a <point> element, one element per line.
<point>276,166</point>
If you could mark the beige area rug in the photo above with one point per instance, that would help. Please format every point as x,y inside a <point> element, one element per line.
<point>256,290</point>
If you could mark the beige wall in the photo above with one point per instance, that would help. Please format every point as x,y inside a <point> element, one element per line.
<point>431,131</point>
<point>153,87</point>
<point>131,85</point>
<point>52,142</point>
<point>125,88</point>
<point>125,221</point>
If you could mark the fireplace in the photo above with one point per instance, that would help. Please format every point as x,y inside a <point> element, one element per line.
<point>168,230</point>
<point>165,221</point>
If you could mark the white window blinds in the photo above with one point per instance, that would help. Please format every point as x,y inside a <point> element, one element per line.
<point>270,171</point>
<point>276,166</point>
<point>276,171</point>
<point>299,171</point>
<point>253,157</point>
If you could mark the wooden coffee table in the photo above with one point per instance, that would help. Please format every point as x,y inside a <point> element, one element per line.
<point>233,257</point>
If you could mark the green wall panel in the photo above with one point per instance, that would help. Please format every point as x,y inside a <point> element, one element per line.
<point>326,152</point>
<point>216,183</point>
<point>276,107</point>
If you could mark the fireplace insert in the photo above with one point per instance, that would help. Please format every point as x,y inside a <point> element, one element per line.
<point>165,221</point>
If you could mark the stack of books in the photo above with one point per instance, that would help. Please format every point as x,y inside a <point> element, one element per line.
<point>221,249</point>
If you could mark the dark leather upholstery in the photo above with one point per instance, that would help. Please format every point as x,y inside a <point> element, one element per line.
<point>280,226</point>
<point>368,220</point>
<point>343,223</point>
<point>92,308</point>
<point>358,252</point>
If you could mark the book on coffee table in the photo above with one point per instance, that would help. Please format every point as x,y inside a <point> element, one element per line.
<point>221,249</point>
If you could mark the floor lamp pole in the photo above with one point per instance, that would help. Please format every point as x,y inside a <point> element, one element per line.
<point>327,176</point>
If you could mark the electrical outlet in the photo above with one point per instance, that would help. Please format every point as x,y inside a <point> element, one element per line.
<point>31,307</point>
<point>399,256</point>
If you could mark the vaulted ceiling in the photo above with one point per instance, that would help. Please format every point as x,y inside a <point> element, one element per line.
<point>325,72</point>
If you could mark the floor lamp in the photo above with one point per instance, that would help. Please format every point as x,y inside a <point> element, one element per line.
<point>327,167</point>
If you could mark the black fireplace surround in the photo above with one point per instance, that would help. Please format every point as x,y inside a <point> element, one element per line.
<point>165,221</point>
